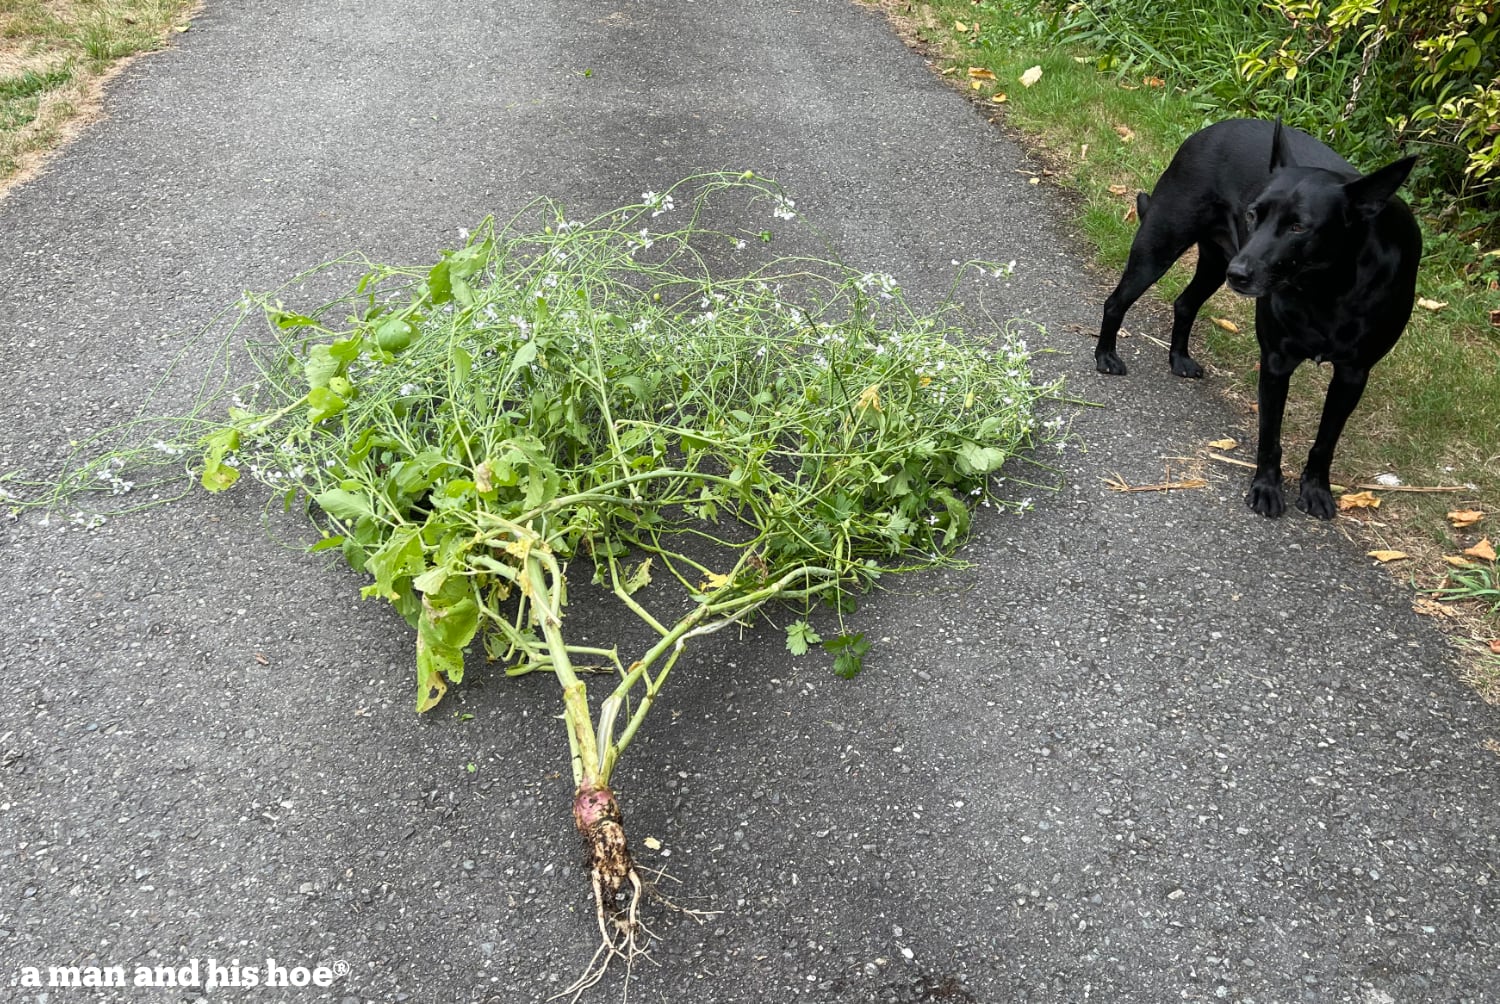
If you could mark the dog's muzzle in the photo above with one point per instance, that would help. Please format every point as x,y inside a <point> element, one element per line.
<point>1245,279</point>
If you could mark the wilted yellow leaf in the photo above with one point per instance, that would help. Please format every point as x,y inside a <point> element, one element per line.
<point>1118,189</point>
<point>1153,81</point>
<point>1359,500</point>
<point>1224,444</point>
<point>869,399</point>
<point>1031,76</point>
<point>1461,518</point>
<point>1483,550</point>
<point>980,73</point>
<point>1384,556</point>
<point>975,85</point>
<point>652,843</point>
<point>1125,133</point>
<point>1427,304</point>
<point>960,26</point>
<point>713,580</point>
<point>1458,562</point>
<point>999,98</point>
<point>1226,324</point>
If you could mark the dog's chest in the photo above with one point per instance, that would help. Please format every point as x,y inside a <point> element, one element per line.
<point>1302,331</point>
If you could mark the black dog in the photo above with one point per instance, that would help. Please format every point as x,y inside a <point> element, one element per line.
<point>1330,255</point>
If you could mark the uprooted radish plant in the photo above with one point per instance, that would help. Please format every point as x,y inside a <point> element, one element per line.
<point>599,394</point>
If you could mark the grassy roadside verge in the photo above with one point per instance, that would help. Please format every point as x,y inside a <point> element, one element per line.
<point>1432,414</point>
<point>55,56</point>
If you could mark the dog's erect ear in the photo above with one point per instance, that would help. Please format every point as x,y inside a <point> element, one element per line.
<point>1369,194</point>
<point>1281,151</point>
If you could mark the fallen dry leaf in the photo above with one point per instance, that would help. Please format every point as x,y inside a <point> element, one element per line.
<point>1125,133</point>
<point>960,26</point>
<point>1129,214</point>
<point>1461,518</point>
<point>1427,304</point>
<point>999,98</point>
<point>1495,318</point>
<point>1031,76</point>
<point>1484,550</point>
<point>1384,556</point>
<point>1458,562</point>
<point>1119,190</point>
<point>1358,500</point>
<point>652,843</point>
<point>1495,645</point>
<point>1153,81</point>
<point>975,85</point>
<point>980,73</point>
<point>1431,608</point>
<point>1226,324</point>
<point>1224,444</point>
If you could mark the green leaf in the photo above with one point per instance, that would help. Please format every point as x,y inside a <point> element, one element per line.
<point>320,367</point>
<point>463,362</point>
<point>216,476</point>
<point>800,637</point>
<point>432,580</point>
<point>400,556</point>
<point>323,403</point>
<point>285,319</point>
<point>522,358</point>
<point>975,459</point>
<point>439,283</point>
<point>394,335</point>
<point>848,651</point>
<point>453,626</point>
<point>344,505</point>
<point>326,544</point>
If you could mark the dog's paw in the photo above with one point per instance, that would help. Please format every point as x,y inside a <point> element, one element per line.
<point>1185,365</point>
<point>1109,362</point>
<point>1315,499</point>
<point>1265,498</point>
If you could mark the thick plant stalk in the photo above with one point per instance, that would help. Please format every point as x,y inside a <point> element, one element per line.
<point>596,812</point>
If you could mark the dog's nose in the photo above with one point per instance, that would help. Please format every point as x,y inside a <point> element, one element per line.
<point>1238,273</point>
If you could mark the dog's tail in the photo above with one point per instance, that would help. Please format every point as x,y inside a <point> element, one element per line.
<point>1142,200</point>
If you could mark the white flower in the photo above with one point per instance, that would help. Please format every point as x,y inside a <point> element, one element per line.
<point>646,240</point>
<point>783,208</point>
<point>658,204</point>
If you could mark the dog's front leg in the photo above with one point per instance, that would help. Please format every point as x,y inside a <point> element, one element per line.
<point>1344,391</point>
<point>1265,487</point>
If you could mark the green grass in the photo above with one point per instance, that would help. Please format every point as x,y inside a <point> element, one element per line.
<point>1432,412</point>
<point>54,54</point>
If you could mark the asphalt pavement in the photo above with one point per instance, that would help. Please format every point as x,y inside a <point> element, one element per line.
<point>1147,747</point>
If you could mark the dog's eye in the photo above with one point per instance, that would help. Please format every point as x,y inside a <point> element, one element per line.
<point>1250,217</point>
<point>1297,228</point>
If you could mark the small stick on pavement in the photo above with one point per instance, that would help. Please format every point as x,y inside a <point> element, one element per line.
<point>1413,488</point>
<point>1231,460</point>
